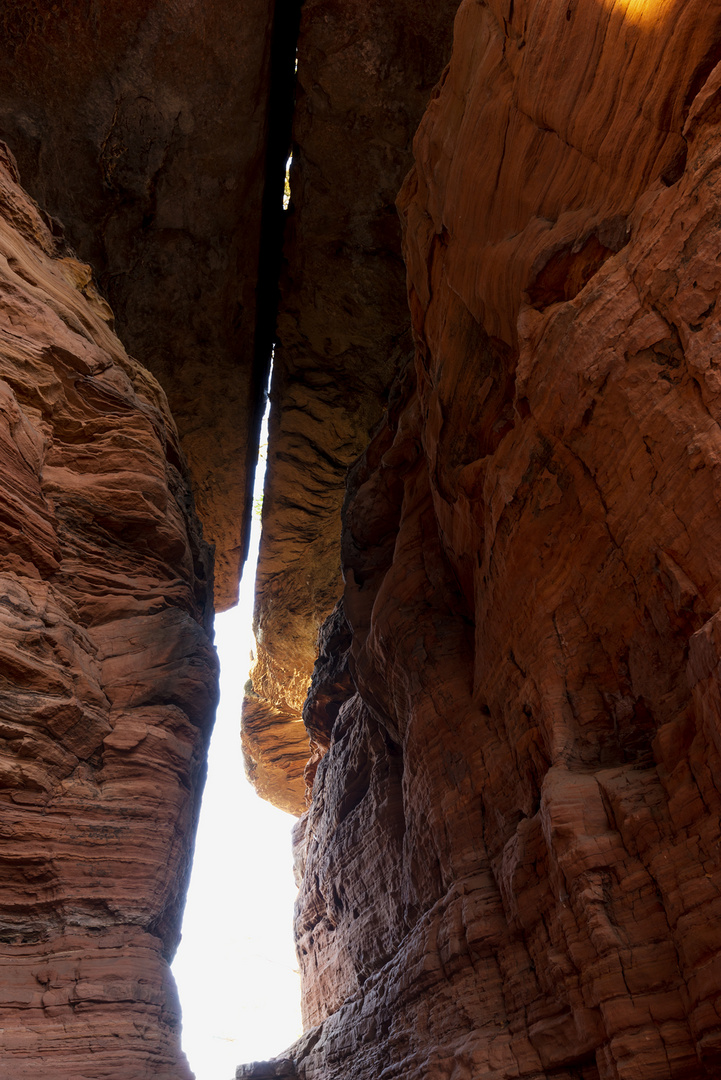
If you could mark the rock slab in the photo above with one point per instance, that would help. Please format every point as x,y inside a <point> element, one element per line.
<point>143,127</point>
<point>365,72</point>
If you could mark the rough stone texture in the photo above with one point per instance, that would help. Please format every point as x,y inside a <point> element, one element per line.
<point>142,126</point>
<point>511,865</point>
<point>365,72</point>
<point>107,678</point>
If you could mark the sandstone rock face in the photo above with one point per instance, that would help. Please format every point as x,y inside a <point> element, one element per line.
<point>511,864</point>
<point>107,678</point>
<point>365,72</point>
<point>143,127</point>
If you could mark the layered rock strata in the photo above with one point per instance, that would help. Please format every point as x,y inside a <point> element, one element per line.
<point>511,864</point>
<point>143,126</point>
<point>365,72</point>
<point>107,678</point>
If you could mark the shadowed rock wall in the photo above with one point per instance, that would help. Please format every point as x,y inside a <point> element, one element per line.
<point>107,678</point>
<point>143,126</point>
<point>510,866</point>
<point>511,863</point>
<point>365,72</point>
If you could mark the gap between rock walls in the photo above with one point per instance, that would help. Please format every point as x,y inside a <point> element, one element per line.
<point>274,209</point>
<point>228,1010</point>
<point>240,1002</point>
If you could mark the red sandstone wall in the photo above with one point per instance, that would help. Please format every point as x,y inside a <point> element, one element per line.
<point>107,678</point>
<point>512,865</point>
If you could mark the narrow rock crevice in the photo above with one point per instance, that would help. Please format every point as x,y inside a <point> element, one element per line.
<point>283,46</point>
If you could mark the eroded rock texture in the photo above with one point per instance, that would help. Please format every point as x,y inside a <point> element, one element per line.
<point>143,127</point>
<point>107,678</point>
<point>511,864</point>
<point>365,72</point>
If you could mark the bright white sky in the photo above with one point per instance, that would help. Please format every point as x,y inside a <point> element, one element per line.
<point>236,966</point>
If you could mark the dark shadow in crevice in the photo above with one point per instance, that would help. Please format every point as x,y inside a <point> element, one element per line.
<point>281,104</point>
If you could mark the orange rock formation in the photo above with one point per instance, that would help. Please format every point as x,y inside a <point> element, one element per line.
<point>510,866</point>
<point>343,331</point>
<point>107,678</point>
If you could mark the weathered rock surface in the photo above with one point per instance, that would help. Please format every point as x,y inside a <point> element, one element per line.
<point>365,72</point>
<point>143,127</point>
<point>107,678</point>
<point>511,863</point>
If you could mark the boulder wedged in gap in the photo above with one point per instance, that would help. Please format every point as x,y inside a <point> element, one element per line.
<point>365,73</point>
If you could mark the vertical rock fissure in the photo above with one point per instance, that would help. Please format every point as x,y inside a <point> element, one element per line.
<point>281,100</point>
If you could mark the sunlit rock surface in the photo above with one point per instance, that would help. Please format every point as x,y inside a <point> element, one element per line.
<point>142,126</point>
<point>365,72</point>
<point>511,863</point>
<point>107,678</point>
